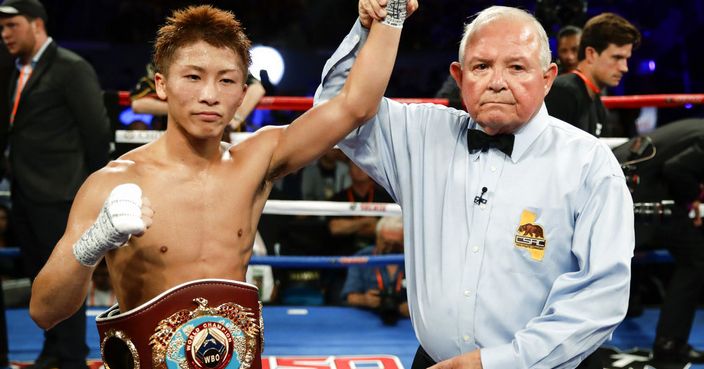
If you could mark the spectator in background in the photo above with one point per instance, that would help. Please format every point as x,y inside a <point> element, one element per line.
<point>349,235</point>
<point>568,48</point>
<point>676,173</point>
<point>604,49</point>
<point>143,95</point>
<point>380,288</point>
<point>60,133</point>
<point>327,176</point>
<point>450,91</point>
<point>145,100</point>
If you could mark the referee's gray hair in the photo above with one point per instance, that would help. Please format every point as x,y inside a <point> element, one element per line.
<point>391,223</point>
<point>496,12</point>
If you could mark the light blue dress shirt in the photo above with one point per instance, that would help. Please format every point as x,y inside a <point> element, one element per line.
<point>473,280</point>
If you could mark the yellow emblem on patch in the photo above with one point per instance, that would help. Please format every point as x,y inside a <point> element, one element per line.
<point>530,236</point>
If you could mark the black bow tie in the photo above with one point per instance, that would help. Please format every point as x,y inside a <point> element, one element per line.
<point>478,140</point>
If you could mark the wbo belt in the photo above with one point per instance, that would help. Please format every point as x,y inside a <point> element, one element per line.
<point>202,324</point>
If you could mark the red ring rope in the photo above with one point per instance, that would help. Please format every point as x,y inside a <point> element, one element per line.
<point>628,102</point>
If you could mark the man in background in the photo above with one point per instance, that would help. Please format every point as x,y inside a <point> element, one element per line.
<point>380,288</point>
<point>568,48</point>
<point>58,134</point>
<point>675,172</point>
<point>604,49</point>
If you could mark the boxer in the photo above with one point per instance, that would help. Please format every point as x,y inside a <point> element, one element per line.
<point>176,258</point>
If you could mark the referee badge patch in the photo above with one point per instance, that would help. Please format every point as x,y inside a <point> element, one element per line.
<point>530,236</point>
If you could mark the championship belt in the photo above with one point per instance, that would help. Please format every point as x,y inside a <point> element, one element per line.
<point>203,324</point>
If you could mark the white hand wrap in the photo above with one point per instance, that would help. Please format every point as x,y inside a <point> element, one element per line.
<point>120,217</point>
<point>395,13</point>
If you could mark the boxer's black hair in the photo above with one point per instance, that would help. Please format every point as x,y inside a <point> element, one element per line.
<point>184,27</point>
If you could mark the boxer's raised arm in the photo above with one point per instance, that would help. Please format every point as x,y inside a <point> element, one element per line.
<point>322,127</point>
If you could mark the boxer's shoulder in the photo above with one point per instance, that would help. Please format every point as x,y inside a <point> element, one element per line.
<point>260,139</point>
<point>255,151</point>
<point>121,169</point>
<point>116,172</point>
<point>100,183</point>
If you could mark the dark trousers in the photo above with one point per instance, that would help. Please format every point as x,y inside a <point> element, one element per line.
<point>38,227</point>
<point>686,244</point>
<point>423,361</point>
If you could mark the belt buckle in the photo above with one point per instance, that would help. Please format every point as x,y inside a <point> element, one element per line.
<point>207,337</point>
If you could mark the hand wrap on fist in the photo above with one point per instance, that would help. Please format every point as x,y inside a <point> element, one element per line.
<point>395,13</point>
<point>120,217</point>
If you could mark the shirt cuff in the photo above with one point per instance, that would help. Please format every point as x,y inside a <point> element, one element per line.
<point>499,357</point>
<point>338,66</point>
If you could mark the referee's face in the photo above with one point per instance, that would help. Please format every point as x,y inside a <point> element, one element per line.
<point>502,80</point>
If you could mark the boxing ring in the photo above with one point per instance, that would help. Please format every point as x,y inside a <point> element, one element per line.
<point>299,337</point>
<point>320,337</point>
<point>336,337</point>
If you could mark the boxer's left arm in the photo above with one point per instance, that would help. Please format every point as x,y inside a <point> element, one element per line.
<point>322,127</point>
<point>62,285</point>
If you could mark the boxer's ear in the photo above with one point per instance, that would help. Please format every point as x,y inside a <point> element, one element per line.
<point>160,85</point>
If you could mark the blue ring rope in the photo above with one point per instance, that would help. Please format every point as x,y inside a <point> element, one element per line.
<point>645,257</point>
<point>290,261</point>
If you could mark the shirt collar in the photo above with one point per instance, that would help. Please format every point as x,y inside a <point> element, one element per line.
<point>37,56</point>
<point>526,135</point>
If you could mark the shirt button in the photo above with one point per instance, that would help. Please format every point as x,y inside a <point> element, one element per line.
<point>482,206</point>
<point>493,169</point>
<point>465,338</point>
<point>466,293</point>
<point>475,249</point>
<point>355,39</point>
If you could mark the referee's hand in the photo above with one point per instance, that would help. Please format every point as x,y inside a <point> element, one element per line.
<point>470,360</point>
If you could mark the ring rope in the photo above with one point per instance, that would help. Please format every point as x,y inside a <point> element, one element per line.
<point>294,207</point>
<point>329,262</point>
<point>288,261</point>
<point>658,101</point>
<point>326,262</point>
<point>613,102</point>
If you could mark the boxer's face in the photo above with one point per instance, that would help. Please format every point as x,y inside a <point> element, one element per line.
<point>502,81</point>
<point>204,87</point>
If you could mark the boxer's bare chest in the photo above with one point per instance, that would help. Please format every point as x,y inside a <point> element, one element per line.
<point>203,227</point>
